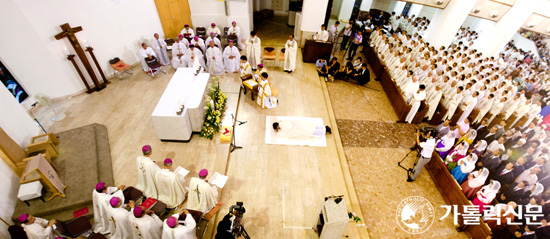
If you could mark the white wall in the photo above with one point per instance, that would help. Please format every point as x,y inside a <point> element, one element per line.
<point>345,9</point>
<point>312,19</point>
<point>365,5</point>
<point>397,7</point>
<point>336,6</point>
<point>204,12</point>
<point>28,41</point>
<point>383,5</point>
<point>427,12</point>
<point>415,9</point>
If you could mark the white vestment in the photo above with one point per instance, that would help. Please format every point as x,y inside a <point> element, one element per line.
<point>470,103</point>
<point>415,102</point>
<point>199,43</point>
<point>290,55</point>
<point>159,46</point>
<point>186,231</point>
<point>245,69</point>
<point>231,65</point>
<point>433,102</point>
<point>190,56</point>
<point>265,99</point>
<point>202,196</point>
<point>300,129</point>
<point>101,208</point>
<point>484,106</point>
<point>254,51</point>
<point>410,89</point>
<point>236,31</point>
<point>171,188</point>
<point>452,105</point>
<point>321,35</point>
<point>147,169</point>
<point>143,53</point>
<point>120,221</point>
<point>39,229</point>
<point>188,31</point>
<point>178,61</point>
<point>146,227</point>
<point>216,42</point>
<point>215,61</point>
<point>214,30</point>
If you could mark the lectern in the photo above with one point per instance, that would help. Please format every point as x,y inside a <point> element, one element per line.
<point>38,169</point>
<point>333,219</point>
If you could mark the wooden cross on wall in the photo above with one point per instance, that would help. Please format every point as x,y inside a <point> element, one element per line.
<point>70,34</point>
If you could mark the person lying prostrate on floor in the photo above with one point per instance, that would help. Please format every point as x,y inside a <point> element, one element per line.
<point>300,129</point>
<point>37,228</point>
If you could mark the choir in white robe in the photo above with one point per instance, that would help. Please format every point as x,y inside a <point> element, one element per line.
<point>159,46</point>
<point>202,196</point>
<point>415,102</point>
<point>254,51</point>
<point>469,104</point>
<point>433,101</point>
<point>120,220</point>
<point>101,209</point>
<point>187,231</point>
<point>484,106</point>
<point>171,188</point>
<point>410,89</point>
<point>190,56</point>
<point>39,229</point>
<point>231,65</point>
<point>147,169</point>
<point>265,99</point>
<point>290,55</point>
<point>452,105</point>
<point>143,53</point>
<point>178,61</point>
<point>146,227</point>
<point>215,61</point>
<point>216,42</point>
<point>235,30</point>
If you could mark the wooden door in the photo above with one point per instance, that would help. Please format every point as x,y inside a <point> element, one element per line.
<point>173,14</point>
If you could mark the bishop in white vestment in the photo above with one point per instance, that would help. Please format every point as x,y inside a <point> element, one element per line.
<point>415,102</point>
<point>178,50</point>
<point>145,52</point>
<point>171,186</point>
<point>193,53</point>
<point>231,57</point>
<point>198,42</point>
<point>254,50</point>
<point>159,46</point>
<point>171,229</point>
<point>213,28</point>
<point>213,38</point>
<point>215,59</point>
<point>37,228</point>
<point>145,224</point>
<point>147,169</point>
<point>291,47</point>
<point>121,228</point>
<point>235,30</point>
<point>202,196</point>
<point>101,196</point>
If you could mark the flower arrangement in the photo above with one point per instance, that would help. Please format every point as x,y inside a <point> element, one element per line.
<point>354,217</point>
<point>215,106</point>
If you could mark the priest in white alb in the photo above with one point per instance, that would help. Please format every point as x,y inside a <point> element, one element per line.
<point>159,46</point>
<point>411,88</point>
<point>291,47</point>
<point>231,57</point>
<point>121,228</point>
<point>484,106</point>
<point>202,196</point>
<point>193,56</point>
<point>178,51</point>
<point>145,52</point>
<point>145,224</point>
<point>215,59</point>
<point>254,50</point>
<point>213,38</point>
<point>147,169</point>
<point>172,229</point>
<point>171,186</point>
<point>37,228</point>
<point>453,103</point>
<point>432,99</point>
<point>101,196</point>
<point>415,102</point>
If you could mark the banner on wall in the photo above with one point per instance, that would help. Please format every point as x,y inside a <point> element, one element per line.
<point>13,86</point>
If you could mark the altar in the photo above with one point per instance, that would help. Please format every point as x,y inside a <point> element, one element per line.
<point>183,89</point>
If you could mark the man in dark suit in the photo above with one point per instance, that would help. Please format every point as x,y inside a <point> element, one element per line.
<point>504,174</point>
<point>490,136</point>
<point>517,149</point>
<point>529,130</point>
<point>501,131</point>
<point>519,166</point>
<point>543,231</point>
<point>490,161</point>
<point>363,76</point>
<point>529,155</point>
<point>482,129</point>
<point>514,193</point>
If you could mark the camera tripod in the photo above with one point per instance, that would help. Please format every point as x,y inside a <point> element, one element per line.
<point>410,170</point>
<point>239,230</point>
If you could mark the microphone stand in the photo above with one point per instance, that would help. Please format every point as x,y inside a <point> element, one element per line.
<point>34,118</point>
<point>233,142</point>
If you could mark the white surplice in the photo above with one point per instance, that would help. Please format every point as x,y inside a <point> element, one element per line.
<point>147,169</point>
<point>215,60</point>
<point>146,227</point>
<point>470,103</point>
<point>254,51</point>
<point>159,46</point>
<point>410,89</point>
<point>101,208</point>
<point>290,55</point>
<point>433,101</point>
<point>178,61</point>
<point>415,102</point>
<point>143,53</point>
<point>120,221</point>
<point>452,105</point>
<point>231,65</point>
<point>187,231</point>
<point>39,229</point>
<point>202,196</point>
<point>171,187</point>
<point>265,99</point>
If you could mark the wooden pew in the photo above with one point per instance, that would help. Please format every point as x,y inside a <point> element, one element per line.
<point>421,113</point>
<point>496,120</point>
<point>456,116</point>
<point>510,121</point>
<point>438,115</point>
<point>474,114</point>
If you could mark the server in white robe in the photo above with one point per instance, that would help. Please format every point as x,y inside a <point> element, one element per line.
<point>121,228</point>
<point>415,102</point>
<point>265,99</point>
<point>215,59</point>
<point>159,46</point>
<point>198,42</point>
<point>235,30</point>
<point>178,51</point>
<point>145,52</point>
<point>145,224</point>
<point>147,169</point>
<point>484,106</point>
<point>254,50</point>
<point>231,57</point>
<point>37,228</point>
<point>202,196</point>
<point>172,229</point>
<point>433,99</point>
<point>187,32</point>
<point>468,104</point>
<point>194,53</point>
<point>291,47</point>
<point>213,37</point>
<point>101,196</point>
<point>453,103</point>
<point>213,28</point>
<point>171,185</point>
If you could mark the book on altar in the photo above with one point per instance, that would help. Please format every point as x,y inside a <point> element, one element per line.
<point>181,171</point>
<point>218,179</point>
<point>250,83</point>
<point>148,203</point>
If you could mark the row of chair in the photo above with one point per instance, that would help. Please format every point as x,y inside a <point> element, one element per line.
<point>271,55</point>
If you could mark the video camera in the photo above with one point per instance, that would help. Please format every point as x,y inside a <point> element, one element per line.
<point>237,209</point>
<point>428,129</point>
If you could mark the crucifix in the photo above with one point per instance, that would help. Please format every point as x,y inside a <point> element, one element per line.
<point>69,33</point>
<point>198,193</point>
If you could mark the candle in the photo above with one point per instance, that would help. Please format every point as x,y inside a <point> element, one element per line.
<point>66,51</point>
<point>85,43</point>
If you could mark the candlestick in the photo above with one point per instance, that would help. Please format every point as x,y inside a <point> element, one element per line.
<point>66,51</point>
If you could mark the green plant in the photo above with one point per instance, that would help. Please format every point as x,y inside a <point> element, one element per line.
<point>215,106</point>
<point>354,217</point>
